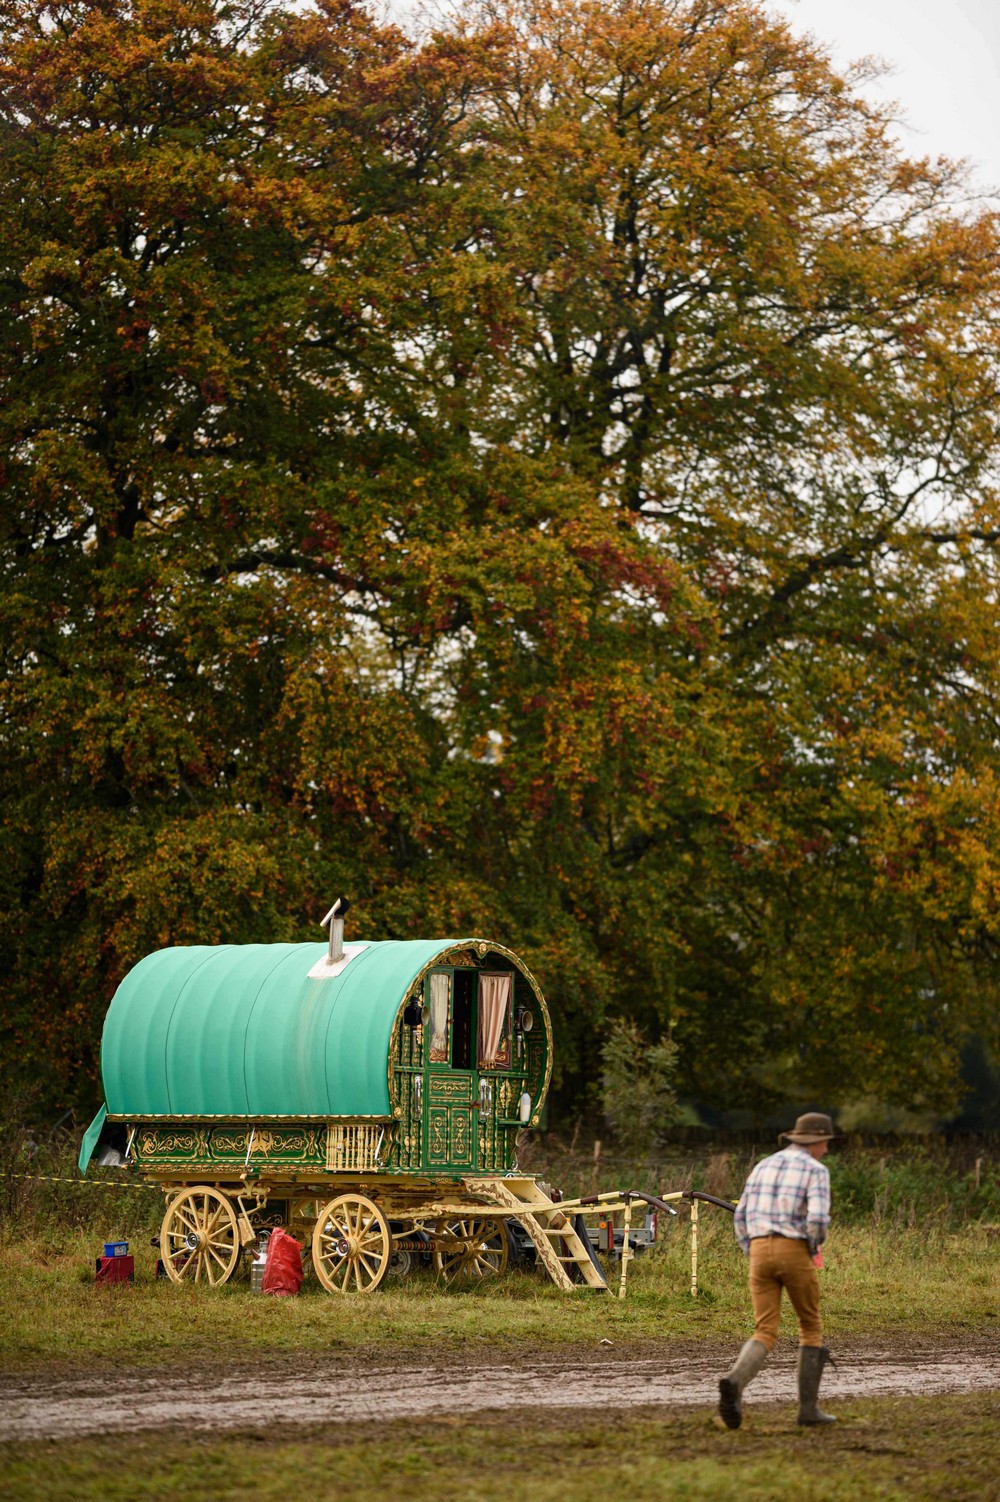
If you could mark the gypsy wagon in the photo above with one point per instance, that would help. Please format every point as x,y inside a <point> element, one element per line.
<point>367,1097</point>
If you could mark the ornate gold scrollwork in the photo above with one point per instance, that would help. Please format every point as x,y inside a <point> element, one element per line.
<point>438,1124</point>
<point>460,1131</point>
<point>447,1087</point>
<point>156,1142</point>
<point>229,1141</point>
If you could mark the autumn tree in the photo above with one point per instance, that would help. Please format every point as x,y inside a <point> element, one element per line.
<point>766,345</point>
<point>162,421</point>
<point>539,478</point>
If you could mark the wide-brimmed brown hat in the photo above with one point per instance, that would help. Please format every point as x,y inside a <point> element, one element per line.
<point>812,1127</point>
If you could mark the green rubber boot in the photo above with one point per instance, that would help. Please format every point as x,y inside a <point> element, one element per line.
<point>743,1370</point>
<point>812,1360</point>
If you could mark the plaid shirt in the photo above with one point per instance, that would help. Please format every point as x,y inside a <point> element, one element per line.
<point>789,1193</point>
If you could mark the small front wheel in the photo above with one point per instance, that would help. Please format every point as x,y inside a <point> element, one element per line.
<point>199,1237</point>
<point>351,1245</point>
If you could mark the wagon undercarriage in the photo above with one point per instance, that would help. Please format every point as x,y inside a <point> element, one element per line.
<point>364,1230</point>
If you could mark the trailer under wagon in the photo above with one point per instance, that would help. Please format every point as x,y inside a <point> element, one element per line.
<point>361,1096</point>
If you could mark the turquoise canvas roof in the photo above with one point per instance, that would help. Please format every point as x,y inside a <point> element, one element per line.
<point>243,1030</point>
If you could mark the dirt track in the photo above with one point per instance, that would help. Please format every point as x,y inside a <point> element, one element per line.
<point>351,1390</point>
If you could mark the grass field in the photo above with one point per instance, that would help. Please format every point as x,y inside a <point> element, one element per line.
<point>897,1450</point>
<point>875,1280</point>
<point>914,1256</point>
<point>914,1248</point>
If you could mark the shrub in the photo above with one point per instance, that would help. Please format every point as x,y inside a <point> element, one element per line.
<point>637,1087</point>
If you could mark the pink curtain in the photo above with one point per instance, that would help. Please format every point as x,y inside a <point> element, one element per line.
<point>494,999</point>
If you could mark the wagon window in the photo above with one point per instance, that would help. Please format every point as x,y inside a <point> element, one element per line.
<point>494,1029</point>
<point>440,999</point>
<point>461,1030</point>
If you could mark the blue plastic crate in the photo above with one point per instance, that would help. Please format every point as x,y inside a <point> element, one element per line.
<point>116,1249</point>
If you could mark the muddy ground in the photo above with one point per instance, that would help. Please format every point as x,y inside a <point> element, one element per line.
<point>305,1391</point>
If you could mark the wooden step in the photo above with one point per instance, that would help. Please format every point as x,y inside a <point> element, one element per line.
<point>533,1209</point>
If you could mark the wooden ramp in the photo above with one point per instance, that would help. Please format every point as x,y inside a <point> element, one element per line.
<point>552,1231</point>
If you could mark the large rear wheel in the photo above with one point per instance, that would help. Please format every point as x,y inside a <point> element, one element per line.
<point>469,1248</point>
<point>351,1245</point>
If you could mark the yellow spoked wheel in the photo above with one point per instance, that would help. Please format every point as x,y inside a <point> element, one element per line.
<point>473,1247</point>
<point>351,1245</point>
<point>199,1237</point>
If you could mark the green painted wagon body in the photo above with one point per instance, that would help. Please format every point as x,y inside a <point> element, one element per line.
<point>204,1046</point>
<point>254,1082</point>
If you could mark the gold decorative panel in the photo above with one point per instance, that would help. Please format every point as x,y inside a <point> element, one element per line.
<point>449,1087</point>
<point>352,1146</point>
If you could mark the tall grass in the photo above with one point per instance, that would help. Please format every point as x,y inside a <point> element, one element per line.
<point>42,1193</point>
<point>877,1283</point>
<point>916,1184</point>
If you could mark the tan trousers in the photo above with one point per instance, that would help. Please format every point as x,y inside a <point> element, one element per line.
<point>778,1262</point>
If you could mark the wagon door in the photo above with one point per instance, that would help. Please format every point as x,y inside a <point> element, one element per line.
<point>450,1117</point>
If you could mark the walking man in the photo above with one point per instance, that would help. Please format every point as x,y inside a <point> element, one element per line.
<point>782,1218</point>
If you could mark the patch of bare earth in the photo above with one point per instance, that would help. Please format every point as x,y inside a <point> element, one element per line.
<point>353,1388</point>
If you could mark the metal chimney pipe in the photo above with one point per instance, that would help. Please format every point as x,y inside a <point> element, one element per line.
<point>335,918</point>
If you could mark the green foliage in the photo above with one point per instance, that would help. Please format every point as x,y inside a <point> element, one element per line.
<point>913,1188</point>
<point>537,478</point>
<point>637,1087</point>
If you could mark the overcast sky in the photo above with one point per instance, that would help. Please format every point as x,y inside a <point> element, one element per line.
<point>945,57</point>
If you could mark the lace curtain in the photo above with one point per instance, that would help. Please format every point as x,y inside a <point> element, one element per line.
<point>440,991</point>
